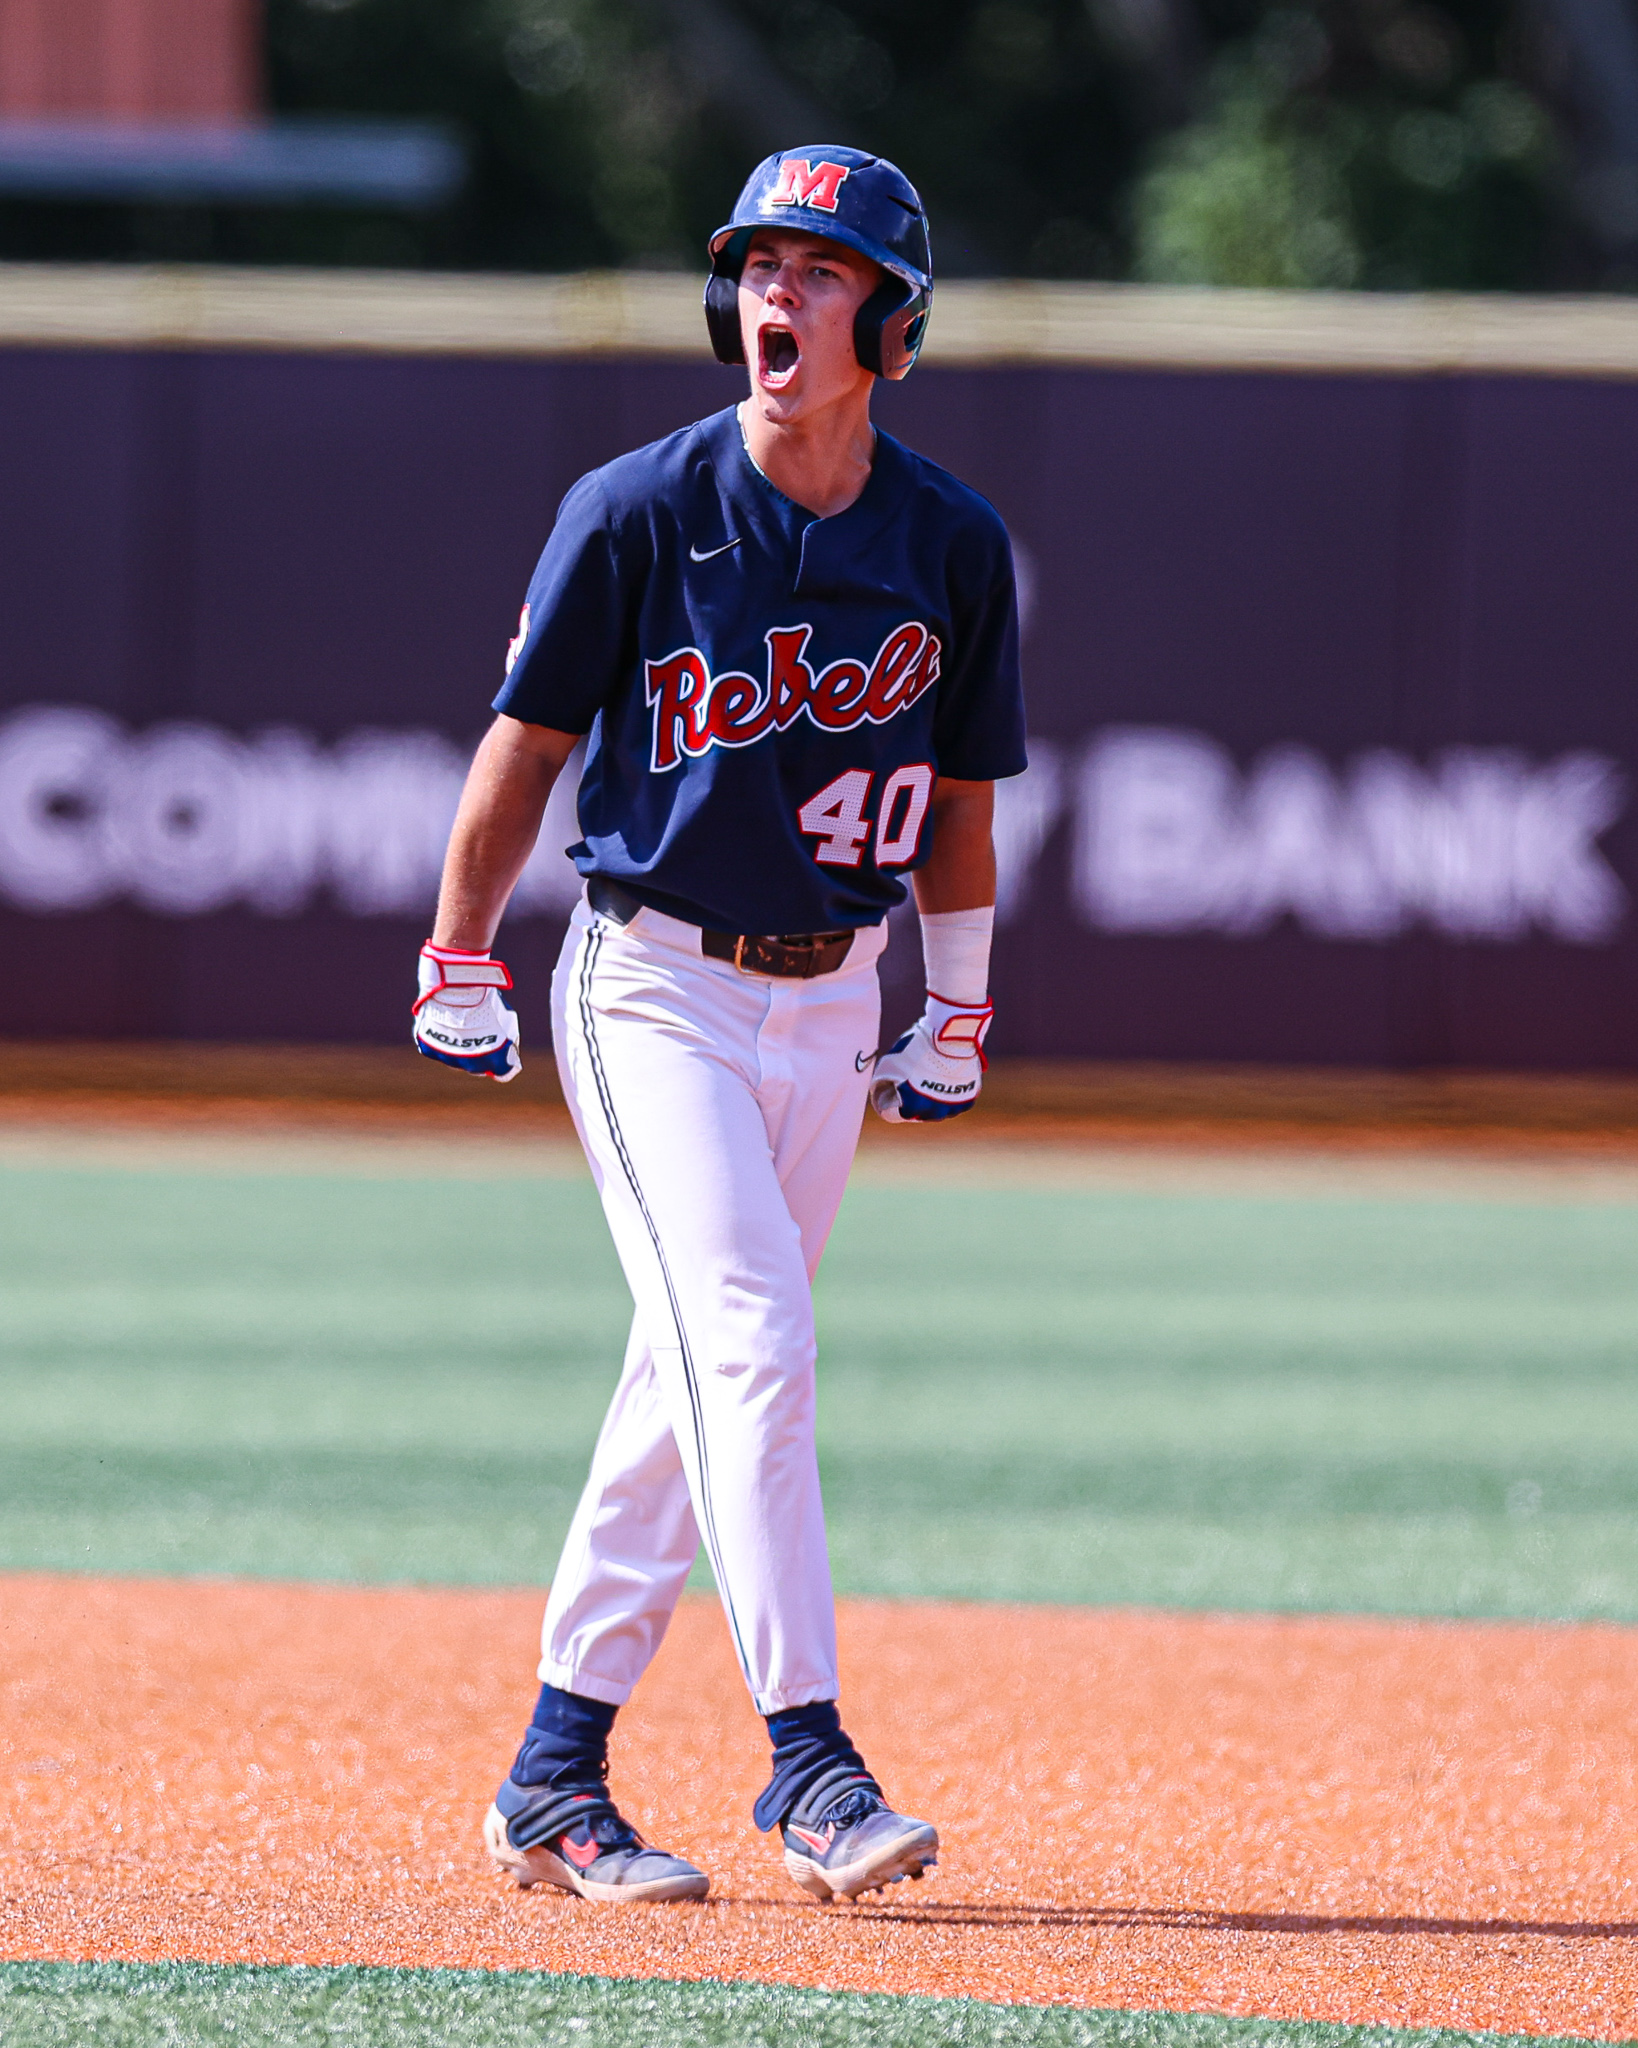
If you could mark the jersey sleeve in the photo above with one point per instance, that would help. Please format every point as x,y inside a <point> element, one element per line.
<point>978,726</point>
<point>567,657</point>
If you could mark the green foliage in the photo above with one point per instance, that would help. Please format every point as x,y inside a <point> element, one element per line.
<point>1395,159</point>
<point>1020,120</point>
<point>618,131</point>
<point>584,131</point>
<point>1382,143</point>
<point>1246,197</point>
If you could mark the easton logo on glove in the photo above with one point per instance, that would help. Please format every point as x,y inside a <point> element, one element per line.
<point>459,1016</point>
<point>937,1068</point>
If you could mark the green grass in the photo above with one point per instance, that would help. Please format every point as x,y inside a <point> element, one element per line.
<point>1406,1405</point>
<point>63,2005</point>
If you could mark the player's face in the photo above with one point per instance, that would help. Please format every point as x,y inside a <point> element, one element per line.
<point>797,298</point>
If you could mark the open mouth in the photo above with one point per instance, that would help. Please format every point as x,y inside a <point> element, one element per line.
<point>780,353</point>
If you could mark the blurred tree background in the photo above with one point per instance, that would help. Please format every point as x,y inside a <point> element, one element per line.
<point>1383,144</point>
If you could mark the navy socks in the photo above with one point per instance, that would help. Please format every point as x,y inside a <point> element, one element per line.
<point>567,1746</point>
<point>809,1745</point>
<point>567,1742</point>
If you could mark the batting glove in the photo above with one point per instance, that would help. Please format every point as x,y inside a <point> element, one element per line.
<point>937,1068</point>
<point>459,1016</point>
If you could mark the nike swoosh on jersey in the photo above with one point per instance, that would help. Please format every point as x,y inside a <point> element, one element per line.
<point>694,554</point>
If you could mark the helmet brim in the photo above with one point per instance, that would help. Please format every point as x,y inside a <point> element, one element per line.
<point>728,245</point>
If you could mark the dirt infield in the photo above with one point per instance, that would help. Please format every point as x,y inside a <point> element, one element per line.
<point>1425,1823</point>
<point>1168,1105</point>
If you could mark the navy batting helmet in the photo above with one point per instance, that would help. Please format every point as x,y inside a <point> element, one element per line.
<point>846,196</point>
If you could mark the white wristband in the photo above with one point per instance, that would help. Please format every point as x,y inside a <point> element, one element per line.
<point>955,947</point>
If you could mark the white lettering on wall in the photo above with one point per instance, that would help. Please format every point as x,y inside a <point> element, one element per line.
<point>187,818</point>
<point>1480,844</point>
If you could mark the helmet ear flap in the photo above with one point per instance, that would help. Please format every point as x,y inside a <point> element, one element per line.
<point>722,317</point>
<point>888,327</point>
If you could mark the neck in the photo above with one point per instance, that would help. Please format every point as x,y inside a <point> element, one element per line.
<point>820,461</point>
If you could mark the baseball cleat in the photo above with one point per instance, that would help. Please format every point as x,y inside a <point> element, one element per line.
<point>858,1844</point>
<point>580,1842</point>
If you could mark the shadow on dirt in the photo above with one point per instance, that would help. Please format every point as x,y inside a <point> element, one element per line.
<point>958,1914</point>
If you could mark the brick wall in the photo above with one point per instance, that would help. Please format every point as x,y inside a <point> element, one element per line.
<point>130,60</point>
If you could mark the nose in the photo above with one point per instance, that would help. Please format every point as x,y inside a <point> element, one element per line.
<point>783,287</point>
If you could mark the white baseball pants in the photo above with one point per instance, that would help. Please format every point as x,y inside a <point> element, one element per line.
<point>719,1111</point>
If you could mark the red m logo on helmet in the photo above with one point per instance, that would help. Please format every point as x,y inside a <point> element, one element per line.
<point>805,184</point>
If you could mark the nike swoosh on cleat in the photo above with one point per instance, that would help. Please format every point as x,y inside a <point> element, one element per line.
<point>819,1842</point>
<point>581,1858</point>
<point>694,554</point>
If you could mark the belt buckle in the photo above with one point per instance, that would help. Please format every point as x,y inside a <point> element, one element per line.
<point>771,956</point>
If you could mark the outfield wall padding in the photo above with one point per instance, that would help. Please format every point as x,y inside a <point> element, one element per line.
<point>1331,683</point>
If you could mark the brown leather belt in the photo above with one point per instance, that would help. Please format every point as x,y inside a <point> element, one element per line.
<point>796,956</point>
<point>799,956</point>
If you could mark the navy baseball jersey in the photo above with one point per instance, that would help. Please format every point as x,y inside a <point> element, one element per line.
<point>769,696</point>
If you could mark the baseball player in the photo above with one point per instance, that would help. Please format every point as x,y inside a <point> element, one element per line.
<point>792,647</point>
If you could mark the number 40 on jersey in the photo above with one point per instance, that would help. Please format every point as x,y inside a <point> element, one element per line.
<point>838,817</point>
